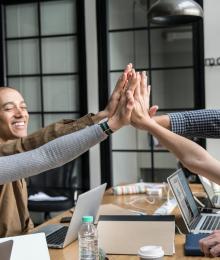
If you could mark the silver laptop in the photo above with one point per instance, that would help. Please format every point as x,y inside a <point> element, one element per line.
<point>6,249</point>
<point>208,187</point>
<point>59,236</point>
<point>25,247</point>
<point>196,222</point>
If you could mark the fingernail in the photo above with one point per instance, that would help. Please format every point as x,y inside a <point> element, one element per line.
<point>144,72</point>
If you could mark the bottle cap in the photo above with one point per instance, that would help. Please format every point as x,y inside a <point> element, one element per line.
<point>87,219</point>
<point>151,252</point>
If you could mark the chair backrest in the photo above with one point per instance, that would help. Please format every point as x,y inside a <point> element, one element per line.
<point>58,179</point>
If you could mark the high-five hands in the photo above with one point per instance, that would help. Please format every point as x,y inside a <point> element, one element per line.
<point>129,102</point>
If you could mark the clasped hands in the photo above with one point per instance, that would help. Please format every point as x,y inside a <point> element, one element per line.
<point>129,103</point>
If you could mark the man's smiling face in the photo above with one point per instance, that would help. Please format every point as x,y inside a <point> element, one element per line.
<point>13,115</point>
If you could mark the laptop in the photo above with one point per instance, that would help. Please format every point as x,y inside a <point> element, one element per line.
<point>58,235</point>
<point>208,187</point>
<point>24,247</point>
<point>196,222</point>
<point>6,249</point>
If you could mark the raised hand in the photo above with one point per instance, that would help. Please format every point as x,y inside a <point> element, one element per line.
<point>122,115</point>
<point>138,85</point>
<point>116,94</point>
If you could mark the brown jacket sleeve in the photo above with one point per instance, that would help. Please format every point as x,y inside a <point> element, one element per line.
<point>45,135</point>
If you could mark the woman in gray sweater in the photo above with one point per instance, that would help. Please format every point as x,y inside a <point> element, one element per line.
<point>65,148</point>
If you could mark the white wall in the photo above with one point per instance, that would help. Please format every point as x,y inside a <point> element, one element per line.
<point>92,83</point>
<point>212,74</point>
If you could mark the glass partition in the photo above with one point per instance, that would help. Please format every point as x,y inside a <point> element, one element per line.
<point>168,54</point>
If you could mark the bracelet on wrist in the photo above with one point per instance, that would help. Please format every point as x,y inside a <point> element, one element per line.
<point>105,127</point>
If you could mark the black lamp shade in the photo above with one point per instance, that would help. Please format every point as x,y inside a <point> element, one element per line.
<point>174,12</point>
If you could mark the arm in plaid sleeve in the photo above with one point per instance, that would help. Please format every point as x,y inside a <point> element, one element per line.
<point>204,123</point>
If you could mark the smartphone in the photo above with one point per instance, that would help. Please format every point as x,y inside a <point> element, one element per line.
<point>65,220</point>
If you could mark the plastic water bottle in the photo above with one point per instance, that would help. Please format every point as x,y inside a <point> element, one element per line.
<point>88,240</point>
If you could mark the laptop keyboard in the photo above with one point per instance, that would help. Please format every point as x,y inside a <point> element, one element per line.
<point>58,237</point>
<point>195,223</point>
<point>211,223</point>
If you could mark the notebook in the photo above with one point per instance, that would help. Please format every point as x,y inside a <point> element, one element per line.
<point>208,187</point>
<point>58,235</point>
<point>191,247</point>
<point>196,222</point>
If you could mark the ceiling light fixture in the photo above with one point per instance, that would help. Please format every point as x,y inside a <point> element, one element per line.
<point>174,12</point>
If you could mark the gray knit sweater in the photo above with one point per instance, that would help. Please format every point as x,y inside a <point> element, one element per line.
<point>50,155</point>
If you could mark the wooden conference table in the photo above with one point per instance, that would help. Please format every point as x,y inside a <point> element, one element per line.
<point>71,251</point>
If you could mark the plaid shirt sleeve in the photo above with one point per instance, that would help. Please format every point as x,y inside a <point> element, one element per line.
<point>204,123</point>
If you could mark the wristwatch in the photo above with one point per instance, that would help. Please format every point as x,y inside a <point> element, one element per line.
<point>105,127</point>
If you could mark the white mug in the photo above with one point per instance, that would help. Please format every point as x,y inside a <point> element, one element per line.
<point>151,253</point>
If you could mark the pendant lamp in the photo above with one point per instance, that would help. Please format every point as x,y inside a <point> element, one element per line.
<point>174,12</point>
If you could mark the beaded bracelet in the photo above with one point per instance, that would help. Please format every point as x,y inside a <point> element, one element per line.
<point>105,127</point>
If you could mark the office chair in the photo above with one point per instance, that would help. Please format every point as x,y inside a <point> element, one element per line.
<point>61,181</point>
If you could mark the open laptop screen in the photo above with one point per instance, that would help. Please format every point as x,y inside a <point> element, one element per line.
<point>183,195</point>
